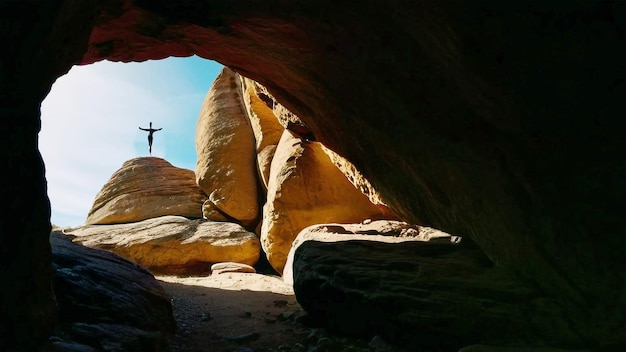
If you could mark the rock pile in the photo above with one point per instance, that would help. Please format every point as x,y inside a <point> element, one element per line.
<point>260,179</point>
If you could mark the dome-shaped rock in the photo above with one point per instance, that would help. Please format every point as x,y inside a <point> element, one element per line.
<point>145,188</point>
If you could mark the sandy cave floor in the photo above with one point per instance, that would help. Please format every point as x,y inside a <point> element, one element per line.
<point>247,312</point>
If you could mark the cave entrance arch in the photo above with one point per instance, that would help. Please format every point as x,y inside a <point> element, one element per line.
<point>521,98</point>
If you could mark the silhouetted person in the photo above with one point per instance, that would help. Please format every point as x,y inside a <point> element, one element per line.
<point>150,133</point>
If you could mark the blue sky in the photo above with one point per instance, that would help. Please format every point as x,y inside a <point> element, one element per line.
<point>91,119</point>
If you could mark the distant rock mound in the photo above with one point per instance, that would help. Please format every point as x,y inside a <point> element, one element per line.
<point>145,188</point>
<point>173,244</point>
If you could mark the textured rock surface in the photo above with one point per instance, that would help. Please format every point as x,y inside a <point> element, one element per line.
<point>226,166</point>
<point>360,182</point>
<point>425,292</point>
<point>211,212</point>
<point>230,267</point>
<point>267,129</point>
<point>173,244</point>
<point>306,188</point>
<point>496,122</point>
<point>390,231</point>
<point>106,302</point>
<point>145,188</point>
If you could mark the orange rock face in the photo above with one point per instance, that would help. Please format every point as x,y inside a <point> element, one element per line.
<point>267,129</point>
<point>307,188</point>
<point>145,188</point>
<point>173,244</point>
<point>226,164</point>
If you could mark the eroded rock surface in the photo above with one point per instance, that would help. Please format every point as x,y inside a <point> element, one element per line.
<point>266,126</point>
<point>230,267</point>
<point>306,188</point>
<point>106,303</point>
<point>173,244</point>
<point>145,188</point>
<point>226,164</point>
<point>390,231</point>
<point>427,291</point>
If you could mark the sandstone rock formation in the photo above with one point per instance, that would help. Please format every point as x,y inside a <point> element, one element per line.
<point>211,212</point>
<point>267,129</point>
<point>306,188</point>
<point>173,244</point>
<point>106,303</point>
<point>390,231</point>
<point>145,188</point>
<point>226,164</point>
<point>231,267</point>
<point>496,122</point>
<point>354,280</point>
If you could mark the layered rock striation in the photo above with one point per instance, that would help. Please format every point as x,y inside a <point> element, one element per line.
<point>225,144</point>
<point>145,188</point>
<point>419,287</point>
<point>174,245</point>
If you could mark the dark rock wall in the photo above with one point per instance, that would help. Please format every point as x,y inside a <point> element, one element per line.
<point>425,296</point>
<point>494,120</point>
<point>41,40</point>
<point>106,301</point>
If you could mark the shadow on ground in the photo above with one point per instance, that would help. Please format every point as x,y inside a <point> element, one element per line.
<point>227,319</point>
<point>246,313</point>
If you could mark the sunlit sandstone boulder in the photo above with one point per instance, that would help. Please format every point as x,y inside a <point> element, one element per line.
<point>267,129</point>
<point>307,188</point>
<point>145,188</point>
<point>173,244</point>
<point>211,212</point>
<point>225,144</point>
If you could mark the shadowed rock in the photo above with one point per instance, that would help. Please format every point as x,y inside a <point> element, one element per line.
<point>427,291</point>
<point>106,302</point>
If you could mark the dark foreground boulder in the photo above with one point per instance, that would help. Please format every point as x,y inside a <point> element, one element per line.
<point>435,293</point>
<point>106,303</point>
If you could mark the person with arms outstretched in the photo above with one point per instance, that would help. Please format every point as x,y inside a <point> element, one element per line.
<point>150,137</point>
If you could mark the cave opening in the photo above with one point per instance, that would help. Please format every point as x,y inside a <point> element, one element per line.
<point>90,123</point>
